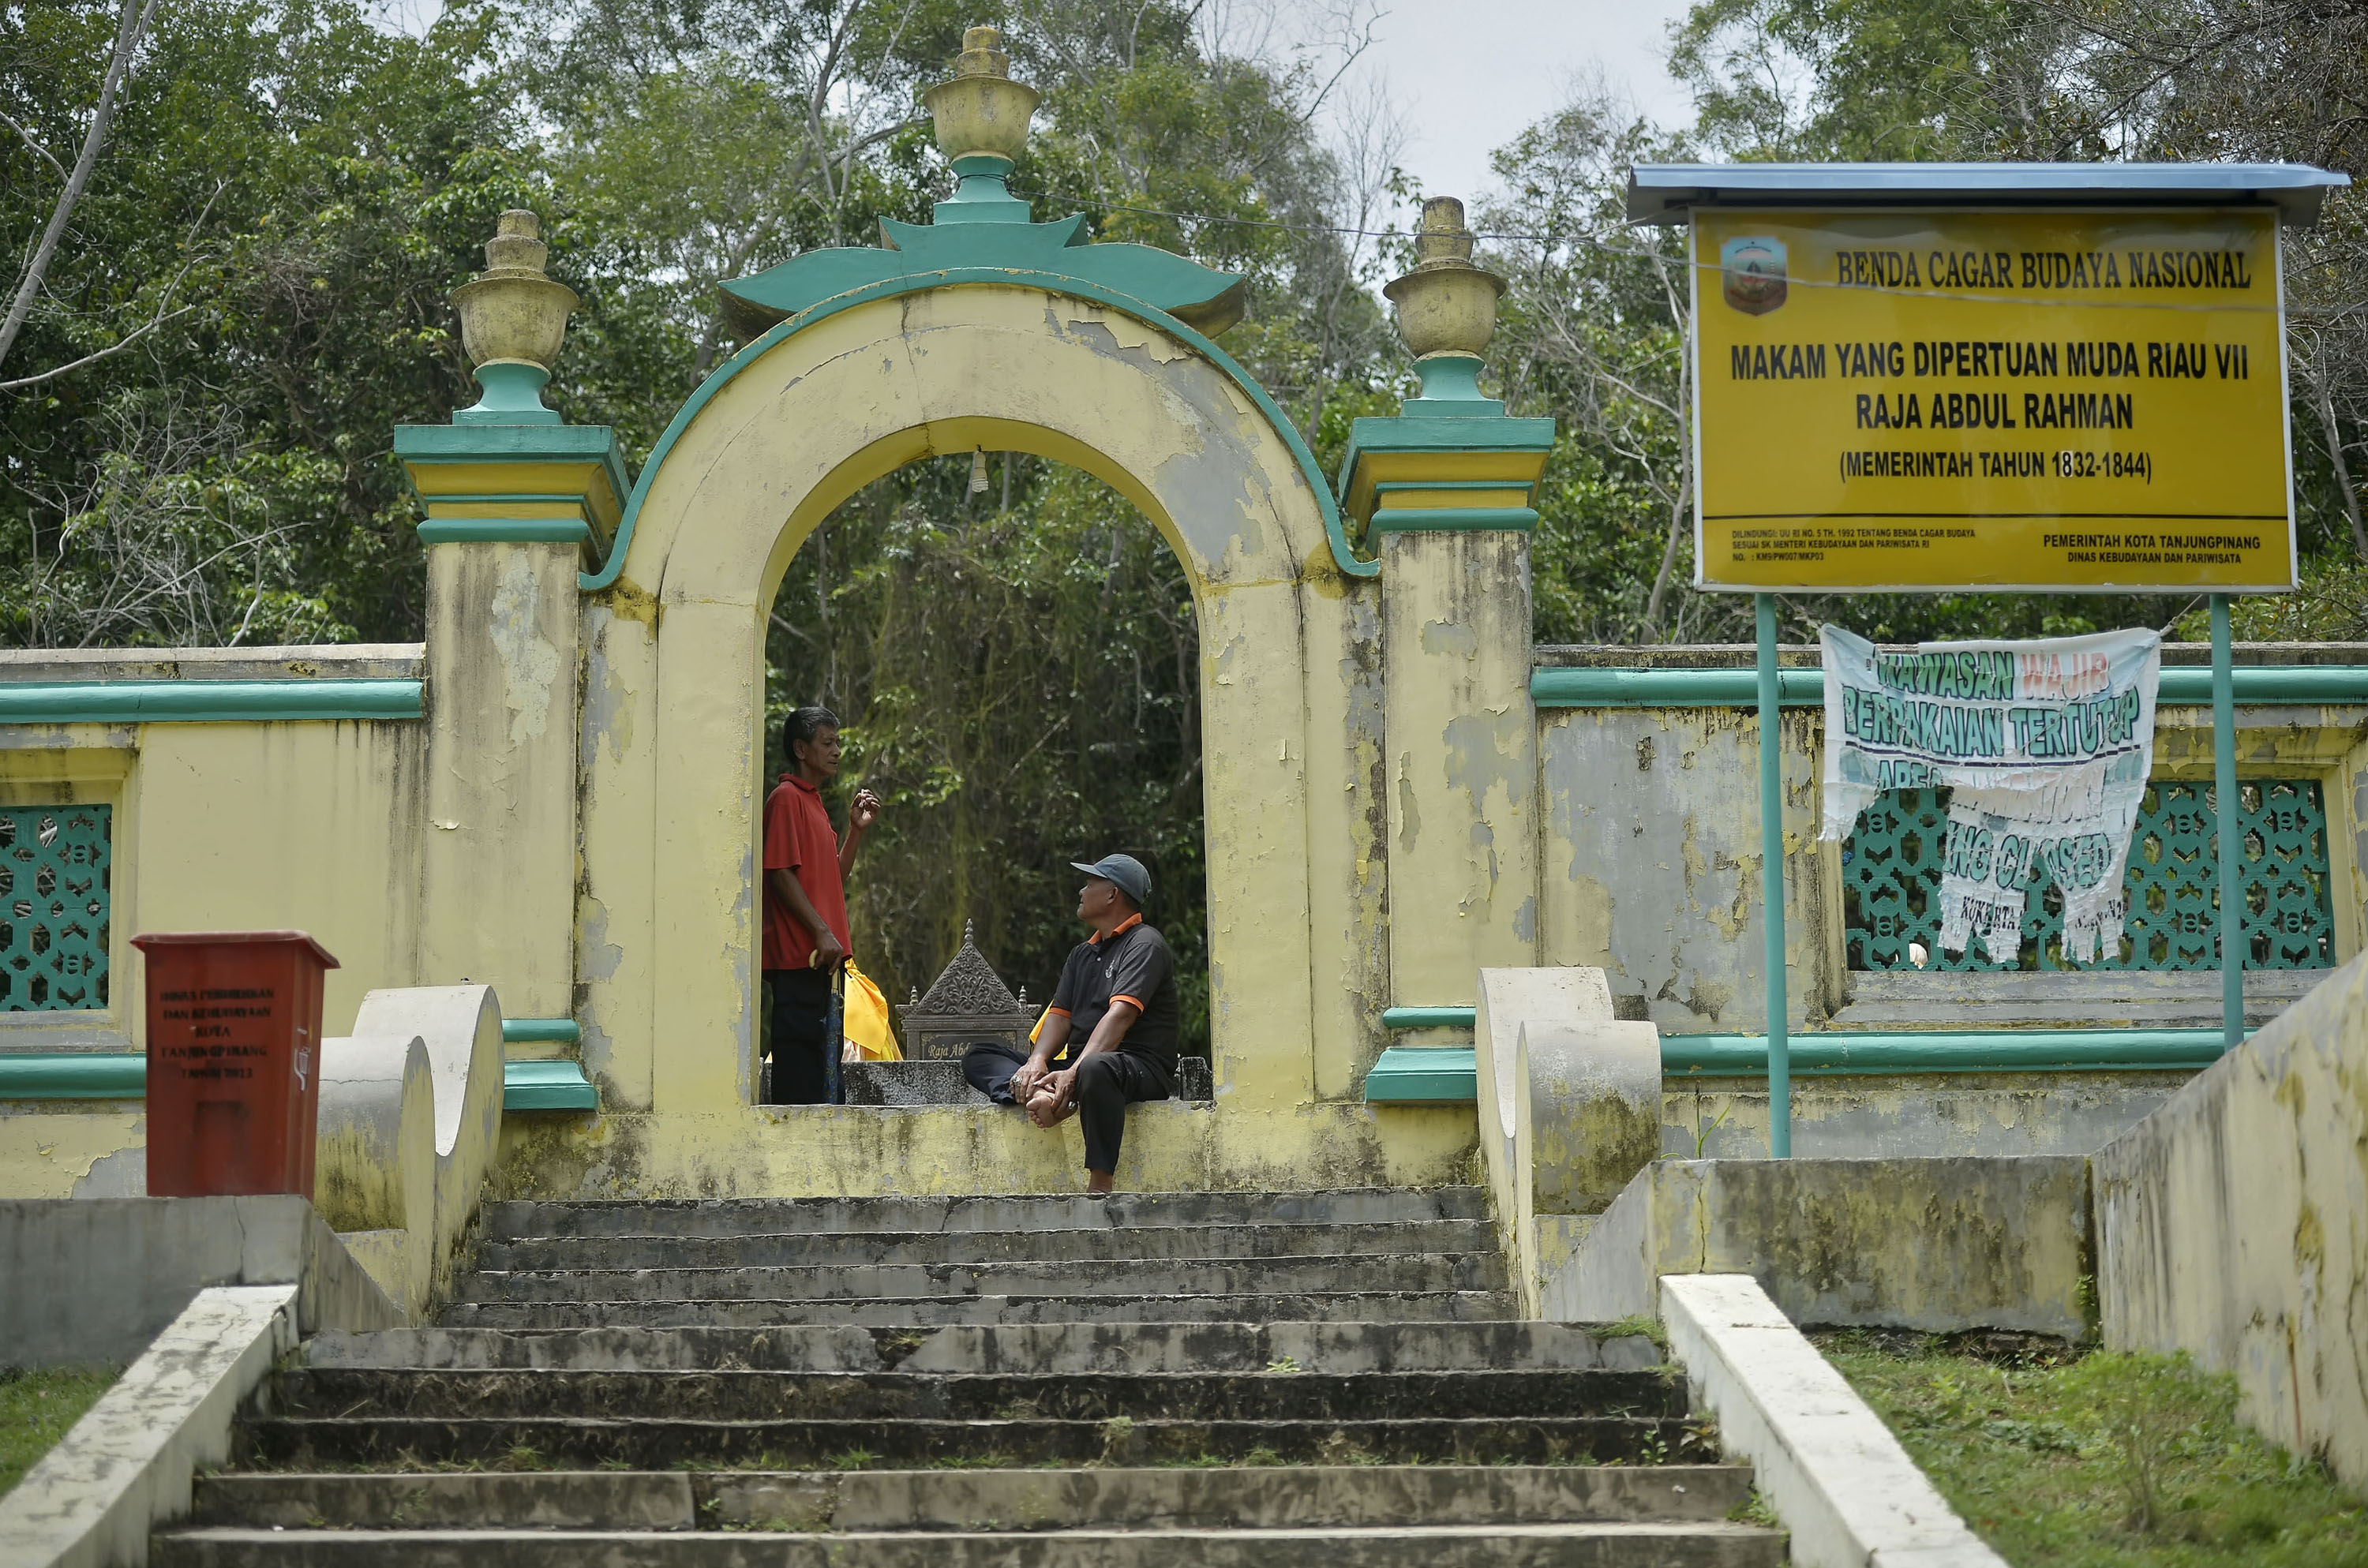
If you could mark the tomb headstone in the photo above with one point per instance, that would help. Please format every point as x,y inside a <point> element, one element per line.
<point>968,1004</point>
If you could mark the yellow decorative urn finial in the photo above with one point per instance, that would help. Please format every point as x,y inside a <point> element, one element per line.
<point>980,111</point>
<point>1447,306</point>
<point>513,319</point>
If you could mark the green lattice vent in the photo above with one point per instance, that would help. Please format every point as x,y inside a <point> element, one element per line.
<point>53,907</point>
<point>1891,882</point>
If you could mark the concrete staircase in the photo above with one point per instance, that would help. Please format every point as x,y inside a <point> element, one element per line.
<point>1237,1378</point>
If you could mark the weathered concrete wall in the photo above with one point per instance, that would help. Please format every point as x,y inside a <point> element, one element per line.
<point>1913,1116</point>
<point>748,1151</point>
<point>1934,1244</point>
<point>1651,870</point>
<point>96,1280</point>
<point>127,1466</point>
<point>1652,862</point>
<point>2233,1224</point>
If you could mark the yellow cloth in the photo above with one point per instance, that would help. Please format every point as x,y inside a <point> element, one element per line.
<point>865,1019</point>
<point>1039,1029</point>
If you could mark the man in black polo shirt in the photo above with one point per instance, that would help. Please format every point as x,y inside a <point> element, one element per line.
<point>1118,995</point>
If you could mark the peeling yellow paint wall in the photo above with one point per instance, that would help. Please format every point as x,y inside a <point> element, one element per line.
<point>500,821</point>
<point>665,921</point>
<point>2233,1224</point>
<point>217,827</point>
<point>239,826</point>
<point>67,1151</point>
<point>1462,762</point>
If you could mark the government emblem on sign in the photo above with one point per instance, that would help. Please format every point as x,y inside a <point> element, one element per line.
<point>1753,268</point>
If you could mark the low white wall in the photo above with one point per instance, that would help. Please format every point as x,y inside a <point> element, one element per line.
<point>411,1122</point>
<point>1569,1108</point>
<point>126,1465</point>
<point>1828,1466</point>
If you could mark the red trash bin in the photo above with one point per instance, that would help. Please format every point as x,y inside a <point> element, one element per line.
<point>233,1061</point>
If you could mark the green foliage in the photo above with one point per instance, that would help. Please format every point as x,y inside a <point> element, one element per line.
<point>38,1408</point>
<point>2110,1461</point>
<point>305,188</point>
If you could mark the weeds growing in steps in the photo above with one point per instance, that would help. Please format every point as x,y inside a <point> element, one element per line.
<point>2063,1461</point>
<point>1637,1326</point>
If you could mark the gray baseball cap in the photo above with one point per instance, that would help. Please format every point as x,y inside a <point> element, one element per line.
<point>1125,871</point>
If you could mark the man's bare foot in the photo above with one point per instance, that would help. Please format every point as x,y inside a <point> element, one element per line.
<point>1046,1109</point>
<point>1098,1182</point>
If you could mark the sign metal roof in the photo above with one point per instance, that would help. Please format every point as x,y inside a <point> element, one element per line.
<point>1667,193</point>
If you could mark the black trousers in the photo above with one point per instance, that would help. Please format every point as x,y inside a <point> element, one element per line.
<point>800,999</point>
<point>1107,1083</point>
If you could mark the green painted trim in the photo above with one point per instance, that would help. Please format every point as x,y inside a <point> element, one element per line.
<point>1390,486</point>
<point>557,1085</point>
<point>2182,685</point>
<point>503,530</point>
<point>73,1075</point>
<point>114,1075</point>
<point>424,445</point>
<point>1021,278</point>
<point>524,1031</point>
<point>1455,520</point>
<point>1429,1018</point>
<point>1418,431</point>
<point>1413,1076</point>
<point>1436,1076</point>
<point>493,497</point>
<point>1841,1054</point>
<point>207,701</point>
<point>513,395</point>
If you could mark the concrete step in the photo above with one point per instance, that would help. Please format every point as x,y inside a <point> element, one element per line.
<point>1372,1306</point>
<point>513,1220</point>
<point>873,1396</point>
<point>1045,1348</point>
<point>811,1248</point>
<point>367,1439</point>
<point>850,1282</point>
<point>1267,1497</point>
<point>1700,1545</point>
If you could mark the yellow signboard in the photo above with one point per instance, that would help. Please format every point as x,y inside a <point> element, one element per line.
<point>1991,400</point>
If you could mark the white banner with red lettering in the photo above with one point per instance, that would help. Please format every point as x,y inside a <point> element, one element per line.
<point>2044,746</point>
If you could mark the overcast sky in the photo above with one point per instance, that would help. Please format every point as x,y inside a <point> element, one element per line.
<point>1468,74</point>
<point>1471,73</point>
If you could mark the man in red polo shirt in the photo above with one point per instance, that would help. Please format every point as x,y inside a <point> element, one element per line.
<point>806,939</point>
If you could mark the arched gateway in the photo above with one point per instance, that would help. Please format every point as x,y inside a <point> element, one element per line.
<point>555,592</point>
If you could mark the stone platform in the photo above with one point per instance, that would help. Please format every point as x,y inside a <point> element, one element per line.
<point>941,1083</point>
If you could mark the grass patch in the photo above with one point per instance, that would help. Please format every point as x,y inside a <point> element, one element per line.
<point>2102,1460</point>
<point>37,1409</point>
